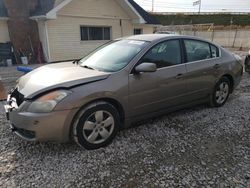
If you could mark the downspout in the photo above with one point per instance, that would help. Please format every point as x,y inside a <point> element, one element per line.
<point>47,40</point>
<point>121,28</point>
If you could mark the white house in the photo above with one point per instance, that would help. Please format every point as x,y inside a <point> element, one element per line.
<point>69,29</point>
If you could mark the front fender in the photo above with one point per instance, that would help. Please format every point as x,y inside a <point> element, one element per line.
<point>105,89</point>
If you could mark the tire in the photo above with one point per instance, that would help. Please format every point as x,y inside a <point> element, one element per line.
<point>96,125</point>
<point>247,64</point>
<point>221,92</point>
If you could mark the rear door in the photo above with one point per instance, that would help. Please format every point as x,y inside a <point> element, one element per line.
<point>151,92</point>
<point>202,60</point>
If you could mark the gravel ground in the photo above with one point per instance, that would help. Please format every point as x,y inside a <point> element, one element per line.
<point>197,147</point>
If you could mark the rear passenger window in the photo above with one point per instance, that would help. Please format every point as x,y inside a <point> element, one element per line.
<point>197,50</point>
<point>214,51</point>
<point>164,54</point>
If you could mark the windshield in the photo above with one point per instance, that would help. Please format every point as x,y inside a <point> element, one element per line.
<point>113,57</point>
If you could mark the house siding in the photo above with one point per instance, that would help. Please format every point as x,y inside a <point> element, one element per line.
<point>65,39</point>
<point>92,8</point>
<point>64,32</point>
<point>4,32</point>
<point>147,29</point>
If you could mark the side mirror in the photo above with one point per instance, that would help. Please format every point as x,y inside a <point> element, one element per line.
<point>146,67</point>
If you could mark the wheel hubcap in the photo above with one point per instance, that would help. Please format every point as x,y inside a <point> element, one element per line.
<point>222,92</point>
<point>98,127</point>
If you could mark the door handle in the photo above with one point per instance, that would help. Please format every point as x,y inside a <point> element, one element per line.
<point>217,66</point>
<point>179,76</point>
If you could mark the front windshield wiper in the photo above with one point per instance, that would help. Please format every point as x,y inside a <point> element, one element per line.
<point>88,67</point>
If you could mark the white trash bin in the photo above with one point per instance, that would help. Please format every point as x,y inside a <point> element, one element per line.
<point>24,60</point>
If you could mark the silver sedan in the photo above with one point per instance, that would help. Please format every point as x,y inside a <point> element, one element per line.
<point>122,82</point>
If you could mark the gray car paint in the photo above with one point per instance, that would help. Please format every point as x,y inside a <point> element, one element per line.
<point>56,76</point>
<point>137,96</point>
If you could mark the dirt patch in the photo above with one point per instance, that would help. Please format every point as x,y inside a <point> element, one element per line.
<point>2,91</point>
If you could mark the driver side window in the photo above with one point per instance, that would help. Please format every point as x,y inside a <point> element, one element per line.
<point>164,54</point>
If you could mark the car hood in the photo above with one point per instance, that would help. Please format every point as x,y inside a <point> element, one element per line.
<point>59,75</point>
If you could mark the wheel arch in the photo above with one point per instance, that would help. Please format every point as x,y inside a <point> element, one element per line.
<point>231,79</point>
<point>116,104</point>
<point>112,101</point>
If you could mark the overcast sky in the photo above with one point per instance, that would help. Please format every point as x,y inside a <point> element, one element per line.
<point>187,5</point>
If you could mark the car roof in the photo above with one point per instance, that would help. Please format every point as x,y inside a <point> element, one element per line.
<point>157,37</point>
<point>150,37</point>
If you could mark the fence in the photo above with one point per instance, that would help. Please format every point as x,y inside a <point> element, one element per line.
<point>229,37</point>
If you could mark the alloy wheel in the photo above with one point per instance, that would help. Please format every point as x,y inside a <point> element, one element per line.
<point>222,92</point>
<point>98,127</point>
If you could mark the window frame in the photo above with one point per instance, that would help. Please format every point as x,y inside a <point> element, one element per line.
<point>217,51</point>
<point>95,26</point>
<point>141,29</point>
<point>181,53</point>
<point>210,44</point>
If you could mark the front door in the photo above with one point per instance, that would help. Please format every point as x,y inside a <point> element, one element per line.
<point>151,92</point>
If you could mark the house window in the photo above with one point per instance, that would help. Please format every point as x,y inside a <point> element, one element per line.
<point>95,33</point>
<point>138,31</point>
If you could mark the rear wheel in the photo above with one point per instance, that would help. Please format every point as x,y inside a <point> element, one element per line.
<point>221,92</point>
<point>96,125</point>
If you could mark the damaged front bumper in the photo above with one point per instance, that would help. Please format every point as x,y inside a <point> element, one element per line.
<point>53,126</point>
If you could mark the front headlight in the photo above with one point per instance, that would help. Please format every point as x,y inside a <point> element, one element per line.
<point>48,102</point>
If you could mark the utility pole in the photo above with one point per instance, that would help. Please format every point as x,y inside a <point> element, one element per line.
<point>231,24</point>
<point>200,7</point>
<point>153,5</point>
<point>198,3</point>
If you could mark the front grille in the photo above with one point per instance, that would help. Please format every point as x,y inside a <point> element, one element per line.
<point>18,96</point>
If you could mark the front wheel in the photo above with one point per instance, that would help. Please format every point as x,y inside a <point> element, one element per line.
<point>221,92</point>
<point>96,125</point>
